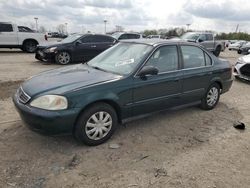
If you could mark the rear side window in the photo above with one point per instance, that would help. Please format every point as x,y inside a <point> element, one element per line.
<point>193,57</point>
<point>133,36</point>
<point>97,39</point>
<point>101,38</point>
<point>5,27</point>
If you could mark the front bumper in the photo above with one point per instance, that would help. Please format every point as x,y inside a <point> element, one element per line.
<point>237,71</point>
<point>43,56</point>
<point>44,121</point>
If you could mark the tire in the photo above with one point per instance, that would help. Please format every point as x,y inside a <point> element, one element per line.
<point>91,122</point>
<point>63,58</point>
<point>30,46</point>
<point>239,52</point>
<point>217,51</point>
<point>208,103</point>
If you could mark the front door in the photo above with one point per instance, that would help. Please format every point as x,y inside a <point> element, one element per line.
<point>157,92</point>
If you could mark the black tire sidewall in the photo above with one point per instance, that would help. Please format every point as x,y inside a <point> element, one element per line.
<point>79,131</point>
<point>204,104</point>
<point>25,46</point>
<point>217,51</point>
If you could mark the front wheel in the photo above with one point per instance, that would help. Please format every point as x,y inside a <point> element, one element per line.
<point>96,124</point>
<point>211,98</point>
<point>63,58</point>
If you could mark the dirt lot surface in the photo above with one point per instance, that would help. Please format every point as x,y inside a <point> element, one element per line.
<point>184,148</point>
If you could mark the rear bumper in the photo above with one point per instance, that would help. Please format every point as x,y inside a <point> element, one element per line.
<point>226,86</point>
<point>44,121</point>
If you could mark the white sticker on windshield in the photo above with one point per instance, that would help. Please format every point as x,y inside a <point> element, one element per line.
<point>125,62</point>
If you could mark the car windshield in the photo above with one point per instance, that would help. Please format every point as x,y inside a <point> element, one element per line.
<point>116,35</point>
<point>71,38</point>
<point>191,36</point>
<point>122,58</point>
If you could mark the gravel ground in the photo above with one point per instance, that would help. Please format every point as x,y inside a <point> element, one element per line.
<point>184,148</point>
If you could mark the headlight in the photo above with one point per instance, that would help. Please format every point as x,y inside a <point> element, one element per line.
<point>240,61</point>
<point>50,102</point>
<point>52,49</point>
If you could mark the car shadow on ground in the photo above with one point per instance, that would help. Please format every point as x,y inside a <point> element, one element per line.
<point>12,52</point>
<point>184,124</point>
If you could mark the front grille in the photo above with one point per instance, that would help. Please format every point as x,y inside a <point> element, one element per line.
<point>22,96</point>
<point>245,70</point>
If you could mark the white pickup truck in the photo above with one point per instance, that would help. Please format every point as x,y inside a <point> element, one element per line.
<point>13,36</point>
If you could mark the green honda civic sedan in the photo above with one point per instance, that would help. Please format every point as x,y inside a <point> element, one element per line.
<point>130,79</point>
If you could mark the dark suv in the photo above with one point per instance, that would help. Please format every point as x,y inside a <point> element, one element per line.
<point>75,48</point>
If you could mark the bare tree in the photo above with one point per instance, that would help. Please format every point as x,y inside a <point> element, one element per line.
<point>61,28</point>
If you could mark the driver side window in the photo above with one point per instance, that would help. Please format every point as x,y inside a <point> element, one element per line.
<point>165,59</point>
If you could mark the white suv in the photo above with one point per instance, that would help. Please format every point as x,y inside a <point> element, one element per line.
<point>13,36</point>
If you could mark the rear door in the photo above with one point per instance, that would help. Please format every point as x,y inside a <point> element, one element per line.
<point>7,34</point>
<point>102,43</point>
<point>160,91</point>
<point>197,72</point>
<point>91,46</point>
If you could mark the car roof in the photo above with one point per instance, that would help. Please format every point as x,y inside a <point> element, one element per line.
<point>157,42</point>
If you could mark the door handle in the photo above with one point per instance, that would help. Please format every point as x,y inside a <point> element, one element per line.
<point>93,46</point>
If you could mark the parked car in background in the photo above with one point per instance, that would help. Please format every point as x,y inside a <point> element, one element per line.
<point>154,37</point>
<point>13,36</point>
<point>75,48</point>
<point>242,68</point>
<point>244,49</point>
<point>205,39</point>
<point>131,79</point>
<point>125,35</point>
<point>237,45</point>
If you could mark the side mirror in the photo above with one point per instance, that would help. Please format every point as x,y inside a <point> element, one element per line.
<point>78,42</point>
<point>148,70</point>
<point>191,40</point>
<point>200,40</point>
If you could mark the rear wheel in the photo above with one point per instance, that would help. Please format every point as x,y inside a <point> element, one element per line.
<point>211,97</point>
<point>96,124</point>
<point>217,51</point>
<point>30,46</point>
<point>63,58</point>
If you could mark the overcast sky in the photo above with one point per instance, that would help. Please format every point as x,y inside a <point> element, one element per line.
<point>137,15</point>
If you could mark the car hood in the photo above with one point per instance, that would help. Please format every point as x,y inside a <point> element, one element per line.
<point>234,45</point>
<point>62,80</point>
<point>52,44</point>
<point>245,58</point>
